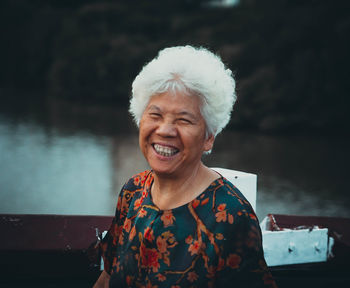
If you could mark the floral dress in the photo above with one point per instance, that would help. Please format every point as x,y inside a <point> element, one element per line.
<point>213,241</point>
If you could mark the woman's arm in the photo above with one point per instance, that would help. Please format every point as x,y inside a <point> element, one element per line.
<point>245,265</point>
<point>102,281</point>
<point>108,248</point>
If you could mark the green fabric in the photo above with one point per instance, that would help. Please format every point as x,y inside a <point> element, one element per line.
<point>213,241</point>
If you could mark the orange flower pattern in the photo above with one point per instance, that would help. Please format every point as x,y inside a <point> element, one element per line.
<point>213,241</point>
<point>167,218</point>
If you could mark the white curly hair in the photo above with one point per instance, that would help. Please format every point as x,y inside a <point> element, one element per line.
<point>186,69</point>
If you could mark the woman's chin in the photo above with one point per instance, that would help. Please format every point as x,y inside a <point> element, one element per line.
<point>164,171</point>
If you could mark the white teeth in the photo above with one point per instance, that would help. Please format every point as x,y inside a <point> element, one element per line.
<point>164,150</point>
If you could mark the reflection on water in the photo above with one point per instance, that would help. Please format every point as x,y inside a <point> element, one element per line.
<point>52,173</point>
<point>49,172</point>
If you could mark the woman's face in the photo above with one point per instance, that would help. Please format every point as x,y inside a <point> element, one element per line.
<point>172,134</point>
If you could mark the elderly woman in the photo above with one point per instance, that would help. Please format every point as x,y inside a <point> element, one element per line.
<point>181,224</point>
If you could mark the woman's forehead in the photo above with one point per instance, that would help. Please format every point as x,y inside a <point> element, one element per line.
<point>177,98</point>
<point>178,104</point>
<point>179,112</point>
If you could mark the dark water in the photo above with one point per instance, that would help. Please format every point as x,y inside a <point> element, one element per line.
<point>300,175</point>
<point>45,170</point>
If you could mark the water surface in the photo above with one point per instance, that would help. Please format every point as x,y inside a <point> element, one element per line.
<point>50,171</point>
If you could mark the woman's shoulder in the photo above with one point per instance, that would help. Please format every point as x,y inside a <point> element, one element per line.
<point>228,195</point>
<point>133,188</point>
<point>139,180</point>
<point>231,207</point>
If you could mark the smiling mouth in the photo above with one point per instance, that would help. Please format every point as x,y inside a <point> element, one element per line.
<point>165,150</point>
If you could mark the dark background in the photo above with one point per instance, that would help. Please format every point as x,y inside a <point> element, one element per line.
<point>290,58</point>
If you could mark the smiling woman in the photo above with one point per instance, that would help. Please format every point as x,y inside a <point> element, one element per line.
<point>173,139</point>
<point>172,134</point>
<point>182,224</point>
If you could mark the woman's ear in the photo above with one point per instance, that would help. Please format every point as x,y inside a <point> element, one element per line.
<point>209,142</point>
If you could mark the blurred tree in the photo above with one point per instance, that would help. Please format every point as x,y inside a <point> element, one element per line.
<point>290,57</point>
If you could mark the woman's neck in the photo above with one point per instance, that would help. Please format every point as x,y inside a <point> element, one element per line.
<point>171,192</point>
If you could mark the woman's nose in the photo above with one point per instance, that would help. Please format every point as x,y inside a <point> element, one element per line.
<point>166,129</point>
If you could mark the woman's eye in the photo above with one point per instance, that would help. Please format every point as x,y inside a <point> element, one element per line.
<point>155,115</point>
<point>185,121</point>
